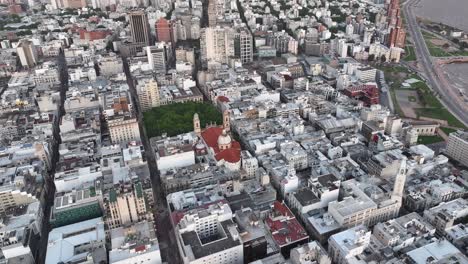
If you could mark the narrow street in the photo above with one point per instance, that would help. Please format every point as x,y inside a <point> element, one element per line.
<point>164,230</point>
<point>50,187</point>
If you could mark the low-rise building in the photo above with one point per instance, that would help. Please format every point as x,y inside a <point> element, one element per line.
<point>285,229</point>
<point>135,244</point>
<point>345,246</point>
<point>80,242</point>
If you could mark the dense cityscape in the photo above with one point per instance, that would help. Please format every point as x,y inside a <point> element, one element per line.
<point>232,131</point>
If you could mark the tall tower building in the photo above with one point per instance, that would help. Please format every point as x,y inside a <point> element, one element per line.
<point>196,124</point>
<point>212,14</point>
<point>27,53</point>
<point>219,44</point>
<point>397,37</point>
<point>139,27</point>
<point>148,94</point>
<point>400,179</point>
<point>226,121</point>
<point>164,30</point>
<point>457,147</point>
<point>243,45</point>
<point>157,58</point>
<point>216,44</point>
<point>126,205</point>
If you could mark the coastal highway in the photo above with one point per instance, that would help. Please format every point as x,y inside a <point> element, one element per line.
<point>434,76</point>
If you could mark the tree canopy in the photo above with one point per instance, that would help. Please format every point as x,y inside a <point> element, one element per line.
<point>175,119</point>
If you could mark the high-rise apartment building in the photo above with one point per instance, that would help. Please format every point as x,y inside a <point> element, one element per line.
<point>457,147</point>
<point>164,30</point>
<point>157,57</point>
<point>282,42</point>
<point>397,34</point>
<point>209,235</point>
<point>27,53</point>
<point>139,28</point>
<point>397,37</point>
<point>148,94</point>
<point>216,9</point>
<point>126,205</point>
<point>123,128</point>
<point>219,44</point>
<point>216,44</point>
<point>311,45</point>
<point>243,45</point>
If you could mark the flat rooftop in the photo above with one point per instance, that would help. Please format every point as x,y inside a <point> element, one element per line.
<point>223,242</point>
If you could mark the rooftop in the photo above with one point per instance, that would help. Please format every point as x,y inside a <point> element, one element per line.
<point>225,239</point>
<point>284,227</point>
<point>436,252</point>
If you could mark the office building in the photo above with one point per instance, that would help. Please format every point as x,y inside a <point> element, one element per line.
<point>208,235</point>
<point>216,45</point>
<point>148,94</point>
<point>457,147</point>
<point>123,129</point>
<point>83,242</point>
<point>345,246</point>
<point>139,28</point>
<point>157,58</point>
<point>243,45</point>
<point>135,244</point>
<point>75,206</point>
<point>127,205</point>
<point>164,31</point>
<point>27,53</point>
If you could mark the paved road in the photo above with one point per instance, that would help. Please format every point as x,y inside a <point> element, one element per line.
<point>164,230</point>
<point>434,76</point>
<point>385,97</point>
<point>50,188</point>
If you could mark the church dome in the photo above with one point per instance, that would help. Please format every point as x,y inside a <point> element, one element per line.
<point>224,140</point>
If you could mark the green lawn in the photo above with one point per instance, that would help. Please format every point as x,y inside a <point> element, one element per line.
<point>432,108</point>
<point>425,140</point>
<point>437,51</point>
<point>447,130</point>
<point>440,113</point>
<point>398,110</point>
<point>410,55</point>
<point>175,119</point>
<point>426,96</point>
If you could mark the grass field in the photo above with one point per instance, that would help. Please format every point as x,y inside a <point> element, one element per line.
<point>438,51</point>
<point>447,130</point>
<point>425,140</point>
<point>410,54</point>
<point>175,119</point>
<point>426,96</point>
<point>431,106</point>
<point>440,113</point>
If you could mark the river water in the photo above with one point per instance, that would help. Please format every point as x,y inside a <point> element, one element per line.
<point>450,12</point>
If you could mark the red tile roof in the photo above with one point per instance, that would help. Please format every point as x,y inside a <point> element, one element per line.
<point>211,135</point>
<point>284,227</point>
<point>140,248</point>
<point>223,99</point>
